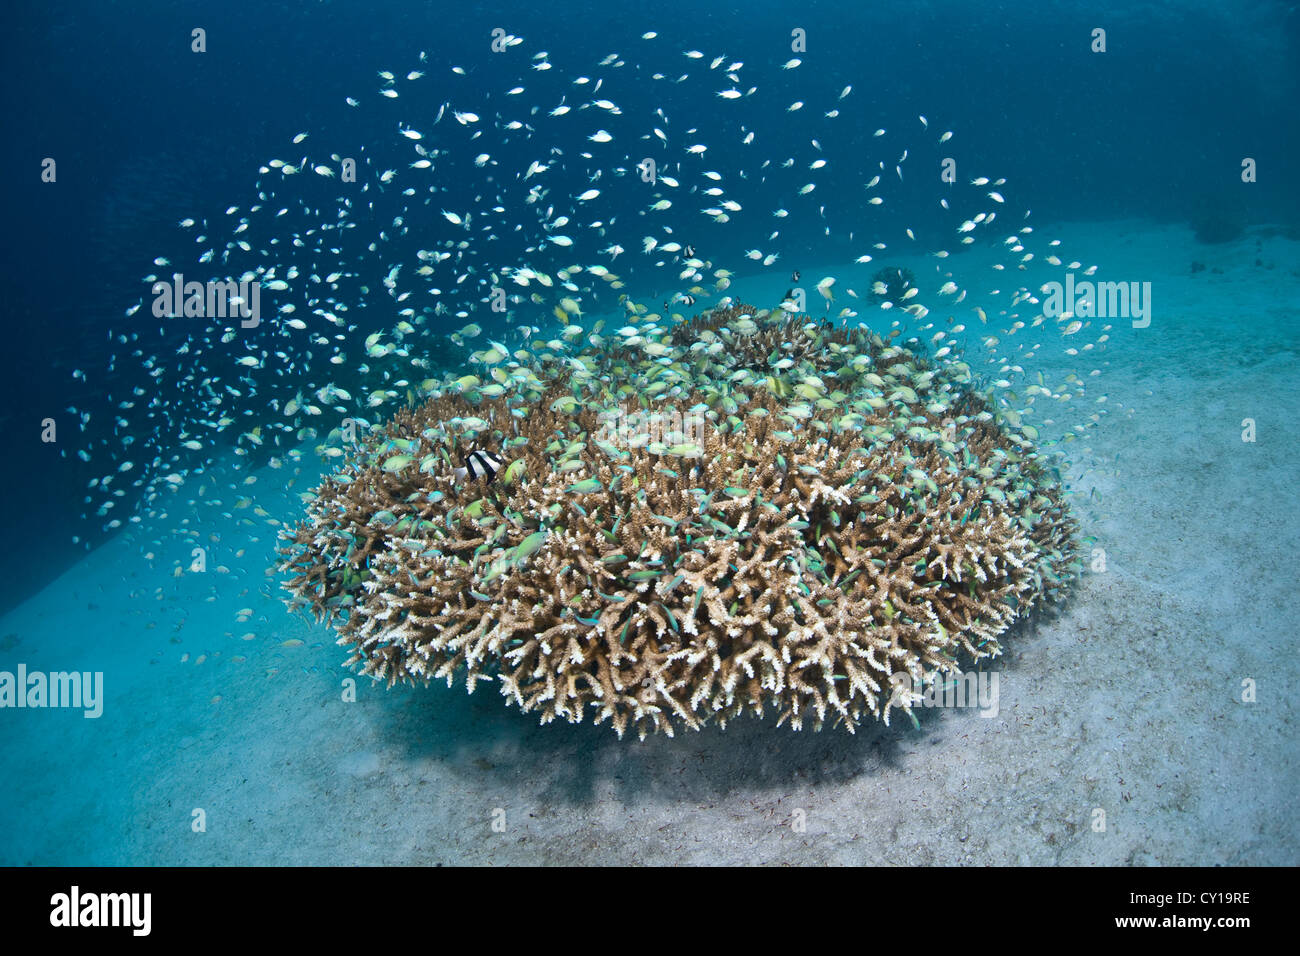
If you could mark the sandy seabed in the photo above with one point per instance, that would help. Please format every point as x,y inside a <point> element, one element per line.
<point>1124,704</point>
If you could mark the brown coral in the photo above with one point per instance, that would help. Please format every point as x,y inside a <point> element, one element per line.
<point>795,558</point>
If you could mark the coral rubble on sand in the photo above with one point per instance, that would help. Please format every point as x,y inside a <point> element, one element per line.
<point>746,511</point>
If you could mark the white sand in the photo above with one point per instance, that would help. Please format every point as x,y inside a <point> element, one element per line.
<point>1126,701</point>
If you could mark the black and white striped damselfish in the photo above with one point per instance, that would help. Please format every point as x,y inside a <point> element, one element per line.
<point>479,464</point>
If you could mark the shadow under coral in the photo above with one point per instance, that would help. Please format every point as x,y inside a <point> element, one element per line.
<point>477,738</point>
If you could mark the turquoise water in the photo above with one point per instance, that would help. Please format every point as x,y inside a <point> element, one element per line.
<point>1142,719</point>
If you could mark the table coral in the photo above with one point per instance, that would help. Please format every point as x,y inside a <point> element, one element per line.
<point>784,515</point>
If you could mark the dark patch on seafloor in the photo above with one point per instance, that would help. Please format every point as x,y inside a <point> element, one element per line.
<point>573,764</point>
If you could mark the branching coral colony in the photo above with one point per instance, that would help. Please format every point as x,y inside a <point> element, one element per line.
<point>749,510</point>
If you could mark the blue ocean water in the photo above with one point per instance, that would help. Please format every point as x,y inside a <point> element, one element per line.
<point>1152,133</point>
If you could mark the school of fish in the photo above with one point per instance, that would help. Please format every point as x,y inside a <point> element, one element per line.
<point>450,263</point>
